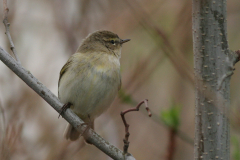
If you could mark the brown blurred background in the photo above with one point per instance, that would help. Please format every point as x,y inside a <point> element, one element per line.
<point>156,64</point>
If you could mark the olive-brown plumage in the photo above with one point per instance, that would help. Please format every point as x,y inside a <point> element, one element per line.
<point>90,79</point>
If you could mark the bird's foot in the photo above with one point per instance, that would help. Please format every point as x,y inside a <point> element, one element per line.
<point>85,134</point>
<point>64,108</point>
<point>90,124</point>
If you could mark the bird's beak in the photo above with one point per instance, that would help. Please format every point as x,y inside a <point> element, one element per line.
<point>124,41</point>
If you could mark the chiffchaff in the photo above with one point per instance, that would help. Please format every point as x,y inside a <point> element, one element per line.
<point>90,79</point>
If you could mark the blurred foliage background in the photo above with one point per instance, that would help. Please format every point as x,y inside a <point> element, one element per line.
<point>156,64</point>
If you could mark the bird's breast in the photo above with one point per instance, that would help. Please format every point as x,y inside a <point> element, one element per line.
<point>93,85</point>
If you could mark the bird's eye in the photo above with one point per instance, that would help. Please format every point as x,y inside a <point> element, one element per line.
<point>112,41</point>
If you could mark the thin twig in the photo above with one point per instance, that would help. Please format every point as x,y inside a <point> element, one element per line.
<point>127,134</point>
<point>2,123</point>
<point>7,25</point>
<point>171,144</point>
<point>152,29</point>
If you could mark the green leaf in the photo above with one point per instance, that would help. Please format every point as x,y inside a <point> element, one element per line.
<point>236,148</point>
<point>125,98</point>
<point>171,116</point>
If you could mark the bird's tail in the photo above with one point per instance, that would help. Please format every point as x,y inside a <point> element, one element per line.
<point>71,133</point>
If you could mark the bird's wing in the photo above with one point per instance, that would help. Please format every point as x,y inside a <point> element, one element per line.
<point>64,69</point>
<point>120,84</point>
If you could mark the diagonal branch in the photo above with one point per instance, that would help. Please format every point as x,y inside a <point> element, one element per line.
<point>7,26</point>
<point>51,99</point>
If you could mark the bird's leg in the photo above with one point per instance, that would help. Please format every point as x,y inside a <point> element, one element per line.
<point>64,108</point>
<point>84,133</point>
<point>89,125</point>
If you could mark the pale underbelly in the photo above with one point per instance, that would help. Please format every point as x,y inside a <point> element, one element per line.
<point>90,94</point>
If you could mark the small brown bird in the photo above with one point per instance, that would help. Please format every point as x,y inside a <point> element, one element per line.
<point>90,79</point>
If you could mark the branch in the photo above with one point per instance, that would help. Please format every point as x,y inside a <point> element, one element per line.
<point>127,134</point>
<point>2,123</point>
<point>7,25</point>
<point>171,144</point>
<point>238,55</point>
<point>231,60</point>
<point>152,29</point>
<point>51,99</point>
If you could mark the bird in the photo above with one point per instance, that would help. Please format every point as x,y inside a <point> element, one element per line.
<point>90,79</point>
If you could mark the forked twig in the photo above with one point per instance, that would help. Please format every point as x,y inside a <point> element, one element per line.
<point>127,134</point>
<point>7,25</point>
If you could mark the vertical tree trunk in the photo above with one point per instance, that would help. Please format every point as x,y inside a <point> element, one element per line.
<point>213,67</point>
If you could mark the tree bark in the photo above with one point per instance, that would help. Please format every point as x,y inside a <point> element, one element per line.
<point>213,67</point>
